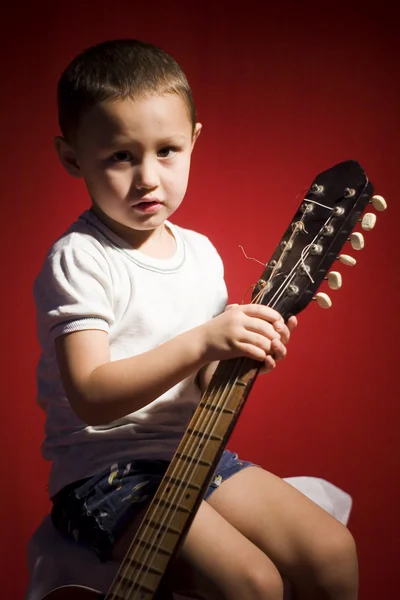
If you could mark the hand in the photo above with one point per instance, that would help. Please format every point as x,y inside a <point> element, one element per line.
<point>251,330</point>
<point>278,347</point>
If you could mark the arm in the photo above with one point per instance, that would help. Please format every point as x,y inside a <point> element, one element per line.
<point>205,375</point>
<point>101,391</point>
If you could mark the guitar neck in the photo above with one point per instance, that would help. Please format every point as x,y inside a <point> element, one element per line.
<point>185,482</point>
<point>309,247</point>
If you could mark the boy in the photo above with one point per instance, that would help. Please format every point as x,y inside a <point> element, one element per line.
<point>132,320</point>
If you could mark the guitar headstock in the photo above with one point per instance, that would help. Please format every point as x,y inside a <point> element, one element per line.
<point>323,223</point>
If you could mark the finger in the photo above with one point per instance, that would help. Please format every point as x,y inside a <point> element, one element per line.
<point>268,365</point>
<point>286,329</point>
<point>278,350</point>
<point>292,323</point>
<point>262,312</point>
<point>256,345</point>
<point>261,327</point>
<point>283,330</point>
<point>252,351</point>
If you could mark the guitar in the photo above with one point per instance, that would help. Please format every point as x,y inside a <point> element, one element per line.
<point>323,223</point>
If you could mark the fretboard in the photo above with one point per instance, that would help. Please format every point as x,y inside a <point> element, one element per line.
<point>185,482</point>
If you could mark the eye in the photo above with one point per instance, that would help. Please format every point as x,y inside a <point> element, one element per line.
<point>122,156</point>
<point>167,152</point>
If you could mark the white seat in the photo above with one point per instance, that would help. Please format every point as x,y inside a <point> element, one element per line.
<point>54,561</point>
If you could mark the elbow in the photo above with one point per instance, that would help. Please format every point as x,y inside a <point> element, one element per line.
<point>89,411</point>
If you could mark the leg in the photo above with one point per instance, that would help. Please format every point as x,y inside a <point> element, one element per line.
<point>217,561</point>
<point>308,546</point>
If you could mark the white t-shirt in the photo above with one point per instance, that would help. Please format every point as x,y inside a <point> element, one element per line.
<point>92,279</point>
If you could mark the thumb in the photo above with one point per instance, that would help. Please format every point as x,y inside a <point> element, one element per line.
<point>229,306</point>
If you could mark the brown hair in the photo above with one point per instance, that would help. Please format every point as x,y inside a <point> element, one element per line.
<point>117,69</point>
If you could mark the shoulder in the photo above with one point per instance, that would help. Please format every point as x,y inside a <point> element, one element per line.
<point>74,284</point>
<point>78,237</point>
<point>76,255</point>
<point>199,243</point>
<point>77,245</point>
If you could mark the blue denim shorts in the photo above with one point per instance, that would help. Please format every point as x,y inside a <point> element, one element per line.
<point>96,511</point>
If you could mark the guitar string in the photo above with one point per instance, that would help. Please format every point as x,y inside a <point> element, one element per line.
<point>261,291</point>
<point>284,285</point>
<point>135,583</point>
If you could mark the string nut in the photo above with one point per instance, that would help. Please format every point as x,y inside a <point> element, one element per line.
<point>345,259</point>
<point>323,300</point>
<point>349,192</point>
<point>286,245</point>
<point>357,241</point>
<point>379,203</point>
<point>306,207</point>
<point>328,230</point>
<point>292,290</point>
<point>368,221</point>
<point>316,249</point>
<point>317,189</point>
<point>338,211</point>
<point>334,280</point>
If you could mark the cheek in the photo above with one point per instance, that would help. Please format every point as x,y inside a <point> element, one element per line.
<point>118,183</point>
<point>180,177</point>
<point>114,182</point>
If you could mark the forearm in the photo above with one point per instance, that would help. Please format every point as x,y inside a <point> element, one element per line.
<point>205,375</point>
<point>117,388</point>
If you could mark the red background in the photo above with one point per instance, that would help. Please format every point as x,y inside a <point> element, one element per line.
<point>283,93</point>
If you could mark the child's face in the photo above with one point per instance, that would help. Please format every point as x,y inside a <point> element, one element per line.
<point>135,157</point>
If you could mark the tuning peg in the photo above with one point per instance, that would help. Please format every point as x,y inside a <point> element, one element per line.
<point>334,280</point>
<point>323,300</point>
<point>368,221</point>
<point>357,241</point>
<point>379,203</point>
<point>347,260</point>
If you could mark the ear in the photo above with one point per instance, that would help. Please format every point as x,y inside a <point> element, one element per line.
<point>196,133</point>
<point>67,156</point>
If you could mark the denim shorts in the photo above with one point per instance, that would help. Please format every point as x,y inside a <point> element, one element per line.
<point>96,511</point>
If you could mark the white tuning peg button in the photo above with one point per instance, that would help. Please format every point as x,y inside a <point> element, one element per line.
<point>323,300</point>
<point>357,241</point>
<point>368,221</point>
<point>334,280</point>
<point>345,259</point>
<point>379,203</point>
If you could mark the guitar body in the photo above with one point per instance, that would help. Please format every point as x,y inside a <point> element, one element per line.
<point>74,592</point>
<point>79,592</point>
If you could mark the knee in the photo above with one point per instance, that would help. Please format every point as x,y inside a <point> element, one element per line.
<point>336,563</point>
<point>263,582</point>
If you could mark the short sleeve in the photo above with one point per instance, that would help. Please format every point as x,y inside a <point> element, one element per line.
<point>73,292</point>
<point>221,293</point>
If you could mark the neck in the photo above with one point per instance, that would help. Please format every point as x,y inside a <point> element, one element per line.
<point>158,243</point>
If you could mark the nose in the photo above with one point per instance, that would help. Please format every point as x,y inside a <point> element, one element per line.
<point>147,174</point>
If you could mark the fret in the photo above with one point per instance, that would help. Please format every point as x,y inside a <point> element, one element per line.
<point>141,587</point>
<point>140,590</point>
<point>150,546</point>
<point>177,482</point>
<point>167,504</point>
<point>187,457</point>
<point>160,526</point>
<point>222,409</point>
<point>206,436</point>
<point>137,563</point>
<point>241,383</point>
<point>114,596</point>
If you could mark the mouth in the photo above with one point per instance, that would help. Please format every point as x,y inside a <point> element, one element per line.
<point>148,205</point>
